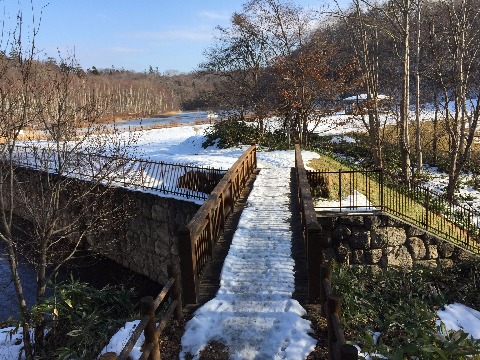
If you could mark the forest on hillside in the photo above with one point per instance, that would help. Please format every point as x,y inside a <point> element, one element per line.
<point>277,58</point>
<point>404,56</point>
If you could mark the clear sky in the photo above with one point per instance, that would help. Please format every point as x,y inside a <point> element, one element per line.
<point>129,34</point>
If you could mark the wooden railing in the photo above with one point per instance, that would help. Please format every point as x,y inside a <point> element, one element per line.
<point>310,228</point>
<point>148,307</point>
<point>319,274</point>
<point>338,349</point>
<point>197,239</point>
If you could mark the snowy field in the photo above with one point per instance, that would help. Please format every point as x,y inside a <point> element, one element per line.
<point>340,124</point>
<point>183,145</point>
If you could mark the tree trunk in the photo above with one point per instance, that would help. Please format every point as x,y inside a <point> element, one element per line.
<point>405,99</point>
<point>418,132</point>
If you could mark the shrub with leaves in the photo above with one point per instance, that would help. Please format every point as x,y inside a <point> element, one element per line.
<point>234,132</point>
<point>81,318</point>
<point>401,305</point>
<point>230,133</point>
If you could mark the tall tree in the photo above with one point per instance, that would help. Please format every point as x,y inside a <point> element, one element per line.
<point>42,96</point>
<point>457,69</point>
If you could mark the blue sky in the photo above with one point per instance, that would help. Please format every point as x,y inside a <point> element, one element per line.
<point>134,34</point>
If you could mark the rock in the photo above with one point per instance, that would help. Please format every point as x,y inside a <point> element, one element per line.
<point>399,256</point>
<point>445,249</point>
<point>352,220</point>
<point>429,240</point>
<point>414,231</point>
<point>358,257</point>
<point>341,233</point>
<point>427,263</point>
<point>158,213</point>
<point>390,236</point>
<point>162,248</point>
<point>360,239</point>
<point>372,222</point>
<point>464,255</point>
<point>373,256</point>
<point>446,263</point>
<point>343,254</point>
<point>432,252</point>
<point>417,248</point>
<point>327,223</point>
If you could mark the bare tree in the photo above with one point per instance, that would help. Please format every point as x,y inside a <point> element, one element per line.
<point>66,182</point>
<point>363,31</point>
<point>457,70</point>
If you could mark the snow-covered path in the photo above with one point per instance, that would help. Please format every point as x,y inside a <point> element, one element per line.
<point>253,313</point>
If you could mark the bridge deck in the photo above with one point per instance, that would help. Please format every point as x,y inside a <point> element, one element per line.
<point>210,279</point>
<point>254,312</point>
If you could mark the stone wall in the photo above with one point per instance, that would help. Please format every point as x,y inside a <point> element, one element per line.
<point>382,240</point>
<point>145,242</point>
<point>148,240</point>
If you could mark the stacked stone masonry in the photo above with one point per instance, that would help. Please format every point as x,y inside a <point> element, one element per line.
<point>148,241</point>
<point>382,240</point>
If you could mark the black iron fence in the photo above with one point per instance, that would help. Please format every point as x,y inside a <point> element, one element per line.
<point>187,181</point>
<point>367,190</point>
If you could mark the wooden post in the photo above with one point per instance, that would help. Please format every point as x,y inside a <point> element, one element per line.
<point>108,356</point>
<point>187,265</point>
<point>232,196</point>
<point>325,273</point>
<point>147,307</point>
<point>333,306</point>
<point>314,261</point>
<point>348,352</point>
<point>174,272</point>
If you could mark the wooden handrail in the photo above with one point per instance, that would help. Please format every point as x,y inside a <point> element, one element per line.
<point>338,349</point>
<point>196,240</point>
<point>148,306</point>
<point>319,273</point>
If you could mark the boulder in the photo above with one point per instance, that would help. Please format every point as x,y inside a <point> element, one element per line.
<point>399,256</point>
<point>417,248</point>
<point>390,236</point>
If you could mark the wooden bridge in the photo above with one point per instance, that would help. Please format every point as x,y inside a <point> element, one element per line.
<point>204,242</point>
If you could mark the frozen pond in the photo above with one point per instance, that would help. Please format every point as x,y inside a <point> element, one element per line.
<point>180,118</point>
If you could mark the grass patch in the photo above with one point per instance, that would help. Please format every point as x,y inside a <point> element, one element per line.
<point>415,205</point>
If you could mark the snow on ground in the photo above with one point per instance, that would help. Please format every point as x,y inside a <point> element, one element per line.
<point>118,341</point>
<point>11,343</point>
<point>460,317</point>
<point>253,313</point>
<point>351,203</point>
<point>275,323</point>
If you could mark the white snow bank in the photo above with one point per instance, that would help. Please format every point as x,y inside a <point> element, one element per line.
<point>118,341</point>
<point>458,316</point>
<point>354,202</point>
<point>11,343</point>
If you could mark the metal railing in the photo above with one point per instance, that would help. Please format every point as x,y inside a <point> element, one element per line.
<point>188,181</point>
<point>368,190</point>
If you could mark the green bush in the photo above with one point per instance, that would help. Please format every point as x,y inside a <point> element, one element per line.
<point>401,305</point>
<point>230,133</point>
<point>81,319</point>
<point>234,132</point>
